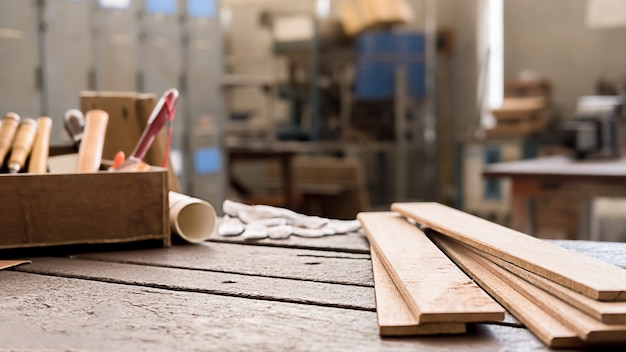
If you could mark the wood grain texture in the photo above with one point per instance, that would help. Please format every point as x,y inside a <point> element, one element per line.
<point>549,330</point>
<point>606,312</point>
<point>586,327</point>
<point>394,316</point>
<point>302,264</point>
<point>350,243</point>
<point>60,209</point>
<point>45,313</point>
<point>264,288</point>
<point>432,286</point>
<point>591,277</point>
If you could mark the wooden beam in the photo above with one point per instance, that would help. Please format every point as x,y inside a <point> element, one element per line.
<point>433,287</point>
<point>591,277</point>
<point>549,330</point>
<point>394,316</point>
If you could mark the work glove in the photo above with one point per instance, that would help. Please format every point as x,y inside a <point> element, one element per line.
<point>253,222</point>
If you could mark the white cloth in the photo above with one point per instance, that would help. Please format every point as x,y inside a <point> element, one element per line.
<point>262,221</point>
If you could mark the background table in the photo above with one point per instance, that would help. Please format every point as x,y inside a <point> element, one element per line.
<point>224,295</point>
<point>561,177</point>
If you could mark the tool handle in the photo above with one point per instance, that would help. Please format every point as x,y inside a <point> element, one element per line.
<point>22,144</point>
<point>74,122</point>
<point>38,163</point>
<point>90,151</point>
<point>7,132</point>
<point>161,113</point>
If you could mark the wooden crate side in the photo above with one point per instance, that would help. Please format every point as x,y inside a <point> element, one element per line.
<point>59,209</point>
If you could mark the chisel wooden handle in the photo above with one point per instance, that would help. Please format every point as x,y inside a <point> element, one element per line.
<point>22,144</point>
<point>90,151</point>
<point>7,132</point>
<point>38,163</point>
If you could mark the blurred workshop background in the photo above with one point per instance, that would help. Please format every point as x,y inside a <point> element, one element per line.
<point>332,107</point>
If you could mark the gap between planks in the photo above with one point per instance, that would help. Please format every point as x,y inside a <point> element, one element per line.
<point>243,286</point>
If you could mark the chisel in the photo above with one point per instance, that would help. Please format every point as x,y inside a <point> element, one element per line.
<point>38,163</point>
<point>7,133</point>
<point>22,145</point>
<point>90,151</point>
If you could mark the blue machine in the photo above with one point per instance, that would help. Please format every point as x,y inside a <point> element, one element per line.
<point>378,56</point>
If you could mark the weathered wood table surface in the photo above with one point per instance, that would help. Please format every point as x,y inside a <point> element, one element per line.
<point>224,295</point>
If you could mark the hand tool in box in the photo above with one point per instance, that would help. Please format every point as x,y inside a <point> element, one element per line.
<point>90,151</point>
<point>38,163</point>
<point>74,123</point>
<point>22,145</point>
<point>7,132</point>
<point>162,113</point>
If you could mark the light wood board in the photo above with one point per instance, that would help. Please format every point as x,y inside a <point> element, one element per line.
<point>586,327</point>
<point>607,312</point>
<point>433,287</point>
<point>5,264</point>
<point>591,277</point>
<point>547,329</point>
<point>394,316</point>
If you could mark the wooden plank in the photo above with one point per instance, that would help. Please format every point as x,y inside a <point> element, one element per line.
<point>606,312</point>
<point>319,266</point>
<point>5,264</point>
<point>394,316</point>
<point>264,288</point>
<point>547,329</point>
<point>349,243</point>
<point>435,290</point>
<point>586,327</point>
<point>80,315</point>
<point>591,277</point>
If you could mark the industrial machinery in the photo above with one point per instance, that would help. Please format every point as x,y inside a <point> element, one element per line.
<point>594,131</point>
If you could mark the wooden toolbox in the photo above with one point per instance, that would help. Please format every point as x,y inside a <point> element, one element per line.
<point>87,208</point>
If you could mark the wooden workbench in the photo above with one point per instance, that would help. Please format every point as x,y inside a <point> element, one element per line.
<point>574,182</point>
<point>224,295</point>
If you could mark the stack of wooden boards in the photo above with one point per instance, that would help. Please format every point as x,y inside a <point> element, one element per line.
<point>566,299</point>
<point>519,116</point>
